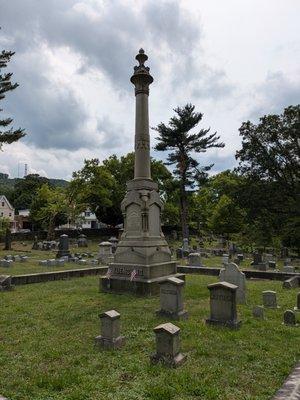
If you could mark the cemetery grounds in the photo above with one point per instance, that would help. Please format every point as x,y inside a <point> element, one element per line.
<point>47,351</point>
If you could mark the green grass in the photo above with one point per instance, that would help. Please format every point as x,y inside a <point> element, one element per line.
<point>47,346</point>
<point>32,265</point>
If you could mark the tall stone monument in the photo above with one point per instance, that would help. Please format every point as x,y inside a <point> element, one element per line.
<point>142,259</point>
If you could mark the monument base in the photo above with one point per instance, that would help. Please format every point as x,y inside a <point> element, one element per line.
<point>106,343</point>
<point>170,361</point>
<point>181,315</point>
<point>139,286</point>
<point>63,253</point>
<point>227,324</point>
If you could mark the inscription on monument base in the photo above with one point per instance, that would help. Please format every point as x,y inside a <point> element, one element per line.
<point>126,271</point>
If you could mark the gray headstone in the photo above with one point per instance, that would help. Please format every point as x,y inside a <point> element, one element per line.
<point>297,308</point>
<point>223,306</point>
<point>225,259</point>
<point>185,244</point>
<point>289,318</point>
<point>291,283</point>
<point>258,312</point>
<point>110,331</point>
<point>23,259</point>
<point>257,258</point>
<point>105,251</point>
<point>43,263</point>
<point>269,299</point>
<point>171,299</point>
<point>167,346</point>
<point>6,263</point>
<point>194,260</point>
<point>272,264</point>
<point>82,241</point>
<point>233,275</point>
<point>63,247</point>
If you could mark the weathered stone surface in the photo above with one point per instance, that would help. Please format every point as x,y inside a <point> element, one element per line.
<point>289,318</point>
<point>291,283</point>
<point>105,251</point>
<point>63,247</point>
<point>110,337</point>
<point>297,308</point>
<point>171,299</point>
<point>6,263</point>
<point>5,283</point>
<point>272,264</point>
<point>290,390</point>
<point>258,312</point>
<point>194,259</point>
<point>167,346</point>
<point>269,299</point>
<point>223,309</point>
<point>232,274</point>
<point>225,258</point>
<point>82,241</point>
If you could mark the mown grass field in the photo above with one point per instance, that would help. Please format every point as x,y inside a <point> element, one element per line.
<point>47,346</point>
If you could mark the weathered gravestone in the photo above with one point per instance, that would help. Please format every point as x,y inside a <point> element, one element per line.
<point>171,299</point>
<point>114,243</point>
<point>270,299</point>
<point>167,346</point>
<point>225,259</point>
<point>105,252</point>
<point>110,337</point>
<point>289,318</point>
<point>194,260</point>
<point>223,309</point>
<point>63,247</point>
<point>297,308</point>
<point>233,275</point>
<point>185,245</point>
<point>287,261</point>
<point>82,241</point>
<point>240,257</point>
<point>272,264</point>
<point>257,258</point>
<point>35,245</point>
<point>5,283</point>
<point>258,312</point>
<point>292,282</point>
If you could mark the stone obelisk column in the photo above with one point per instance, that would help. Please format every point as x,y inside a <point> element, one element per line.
<point>142,259</point>
<point>141,80</point>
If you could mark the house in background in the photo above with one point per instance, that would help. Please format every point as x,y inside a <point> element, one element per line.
<point>86,220</point>
<point>7,211</point>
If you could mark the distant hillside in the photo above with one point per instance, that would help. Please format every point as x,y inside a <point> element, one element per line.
<point>10,183</point>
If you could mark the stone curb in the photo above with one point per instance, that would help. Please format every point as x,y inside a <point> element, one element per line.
<point>290,390</point>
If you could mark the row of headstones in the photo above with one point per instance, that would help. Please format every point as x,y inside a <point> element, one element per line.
<point>167,339</point>
<point>52,262</point>
<point>9,260</point>
<point>270,301</point>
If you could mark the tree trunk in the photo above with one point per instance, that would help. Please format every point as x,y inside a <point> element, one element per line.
<point>184,211</point>
<point>7,239</point>
<point>51,226</point>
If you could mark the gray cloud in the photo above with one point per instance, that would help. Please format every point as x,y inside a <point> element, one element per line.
<point>106,38</point>
<point>273,95</point>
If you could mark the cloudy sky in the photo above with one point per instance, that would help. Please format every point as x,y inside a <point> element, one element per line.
<point>235,60</point>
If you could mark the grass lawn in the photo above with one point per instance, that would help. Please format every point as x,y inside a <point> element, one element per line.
<point>32,265</point>
<point>47,333</point>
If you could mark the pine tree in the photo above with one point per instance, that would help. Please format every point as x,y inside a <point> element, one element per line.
<point>7,136</point>
<point>177,139</point>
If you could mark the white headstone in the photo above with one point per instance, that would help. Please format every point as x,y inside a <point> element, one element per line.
<point>233,275</point>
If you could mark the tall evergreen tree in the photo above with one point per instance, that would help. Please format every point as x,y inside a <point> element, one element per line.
<point>181,144</point>
<point>9,135</point>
